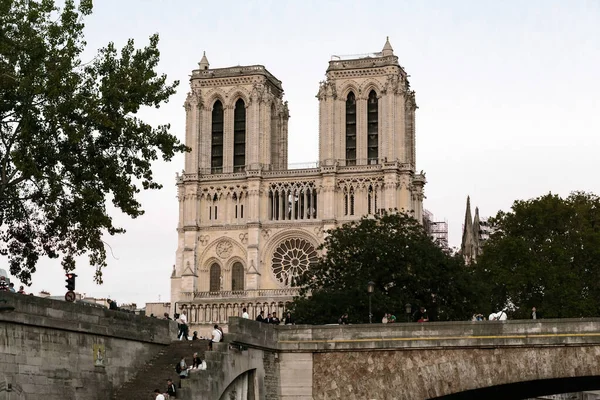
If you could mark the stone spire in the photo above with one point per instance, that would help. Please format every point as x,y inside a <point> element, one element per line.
<point>204,64</point>
<point>476,229</point>
<point>467,244</point>
<point>387,48</point>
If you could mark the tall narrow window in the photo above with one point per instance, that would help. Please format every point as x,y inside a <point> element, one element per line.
<point>372,128</point>
<point>239,136</point>
<point>215,277</point>
<point>345,201</point>
<point>216,160</point>
<point>237,276</point>
<point>351,129</point>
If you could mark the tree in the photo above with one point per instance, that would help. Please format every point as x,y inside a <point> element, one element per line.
<point>393,251</point>
<point>545,253</point>
<point>70,137</point>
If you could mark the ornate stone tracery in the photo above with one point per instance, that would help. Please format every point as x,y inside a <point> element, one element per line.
<point>291,258</point>
<point>224,249</point>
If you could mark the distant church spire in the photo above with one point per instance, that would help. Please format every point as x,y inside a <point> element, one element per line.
<point>476,229</point>
<point>204,64</point>
<point>387,48</point>
<point>467,245</point>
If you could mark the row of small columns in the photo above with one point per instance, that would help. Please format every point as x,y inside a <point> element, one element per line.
<point>220,313</point>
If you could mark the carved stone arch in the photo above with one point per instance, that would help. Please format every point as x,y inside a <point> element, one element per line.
<point>233,259</point>
<point>237,94</point>
<point>347,87</point>
<point>205,266</point>
<point>369,85</point>
<point>237,276</point>
<point>213,96</point>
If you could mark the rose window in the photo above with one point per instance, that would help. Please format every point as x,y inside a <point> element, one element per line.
<point>291,258</point>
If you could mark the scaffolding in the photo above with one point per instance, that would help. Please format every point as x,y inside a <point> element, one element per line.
<point>438,230</point>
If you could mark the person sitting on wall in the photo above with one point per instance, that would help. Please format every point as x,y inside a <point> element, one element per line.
<point>420,315</point>
<point>195,337</point>
<point>171,389</point>
<point>158,395</point>
<point>112,305</point>
<point>343,319</point>
<point>196,361</point>
<point>183,368</point>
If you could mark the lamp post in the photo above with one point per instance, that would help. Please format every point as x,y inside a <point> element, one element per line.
<point>370,289</point>
<point>408,310</point>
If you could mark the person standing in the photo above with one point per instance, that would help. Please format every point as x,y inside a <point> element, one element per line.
<point>261,316</point>
<point>288,320</point>
<point>274,320</point>
<point>245,314</point>
<point>216,337</point>
<point>158,395</point>
<point>184,328</point>
<point>535,314</point>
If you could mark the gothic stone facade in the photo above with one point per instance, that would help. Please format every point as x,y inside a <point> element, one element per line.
<point>248,225</point>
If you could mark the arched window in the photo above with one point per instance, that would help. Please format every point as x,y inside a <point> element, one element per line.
<point>215,277</point>
<point>237,276</point>
<point>351,129</point>
<point>372,128</point>
<point>239,136</point>
<point>216,160</point>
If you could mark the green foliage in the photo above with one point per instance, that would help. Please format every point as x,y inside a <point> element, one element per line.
<point>545,253</point>
<point>69,135</point>
<point>393,251</point>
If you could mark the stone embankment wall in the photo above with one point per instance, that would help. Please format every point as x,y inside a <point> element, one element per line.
<point>55,350</point>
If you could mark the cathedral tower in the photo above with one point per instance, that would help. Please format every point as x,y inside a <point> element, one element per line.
<point>367,111</point>
<point>248,225</point>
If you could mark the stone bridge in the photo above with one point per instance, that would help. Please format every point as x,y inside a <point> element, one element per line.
<point>444,360</point>
<point>55,350</point>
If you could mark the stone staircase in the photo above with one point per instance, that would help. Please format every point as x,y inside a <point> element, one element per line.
<point>155,373</point>
<point>200,384</point>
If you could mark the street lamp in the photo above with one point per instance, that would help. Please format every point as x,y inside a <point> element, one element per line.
<point>370,289</point>
<point>408,310</point>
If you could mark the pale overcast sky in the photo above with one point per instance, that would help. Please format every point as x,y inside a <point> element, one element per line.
<point>507,94</point>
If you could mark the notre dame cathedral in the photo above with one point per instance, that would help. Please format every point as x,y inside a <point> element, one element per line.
<point>248,224</point>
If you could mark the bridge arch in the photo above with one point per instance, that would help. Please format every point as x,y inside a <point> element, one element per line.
<point>529,389</point>
<point>243,387</point>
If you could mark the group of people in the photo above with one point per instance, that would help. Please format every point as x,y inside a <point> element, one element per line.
<point>271,318</point>
<point>388,318</point>
<point>10,287</point>
<point>502,316</point>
